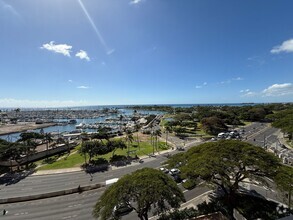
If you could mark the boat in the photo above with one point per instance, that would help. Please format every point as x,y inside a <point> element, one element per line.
<point>72,121</point>
<point>79,126</point>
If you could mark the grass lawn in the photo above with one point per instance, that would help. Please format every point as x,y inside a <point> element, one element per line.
<point>164,119</point>
<point>246,123</point>
<point>75,159</point>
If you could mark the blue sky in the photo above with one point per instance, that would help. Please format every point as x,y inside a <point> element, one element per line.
<point>105,52</point>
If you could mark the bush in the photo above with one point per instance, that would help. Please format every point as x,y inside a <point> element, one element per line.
<point>99,161</point>
<point>184,214</point>
<point>116,158</point>
<point>189,184</point>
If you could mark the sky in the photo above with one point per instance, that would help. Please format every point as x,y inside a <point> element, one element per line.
<point>63,53</point>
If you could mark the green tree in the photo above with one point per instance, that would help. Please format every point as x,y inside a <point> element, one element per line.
<point>225,164</point>
<point>116,144</point>
<point>137,127</point>
<point>284,181</point>
<point>142,190</point>
<point>157,133</point>
<point>128,139</point>
<point>213,125</point>
<point>284,121</point>
<point>89,148</point>
<point>12,152</point>
<point>168,130</point>
<point>48,139</point>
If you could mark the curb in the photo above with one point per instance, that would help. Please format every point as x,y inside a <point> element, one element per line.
<point>52,194</point>
<point>43,174</point>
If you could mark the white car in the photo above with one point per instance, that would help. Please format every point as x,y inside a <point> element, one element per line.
<point>163,169</point>
<point>174,171</point>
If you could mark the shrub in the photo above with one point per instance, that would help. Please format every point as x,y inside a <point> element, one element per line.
<point>189,184</point>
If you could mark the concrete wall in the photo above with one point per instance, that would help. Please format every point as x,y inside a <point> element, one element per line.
<point>39,155</point>
<point>52,194</point>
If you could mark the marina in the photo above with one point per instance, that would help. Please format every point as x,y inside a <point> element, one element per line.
<point>62,122</point>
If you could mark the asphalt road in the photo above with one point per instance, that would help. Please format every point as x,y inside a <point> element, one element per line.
<point>80,206</point>
<point>54,182</point>
<point>74,206</point>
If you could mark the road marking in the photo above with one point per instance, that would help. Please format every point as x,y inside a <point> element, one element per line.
<point>69,216</point>
<point>22,213</point>
<point>71,206</point>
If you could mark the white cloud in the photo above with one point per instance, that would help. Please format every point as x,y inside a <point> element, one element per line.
<point>70,81</point>
<point>286,46</point>
<point>259,60</point>
<point>134,2</point>
<point>58,48</point>
<point>244,90</point>
<point>202,85</point>
<point>237,79</point>
<point>25,103</point>
<point>83,87</point>
<point>278,90</point>
<point>225,82</point>
<point>249,94</point>
<point>8,8</point>
<point>109,52</point>
<point>82,55</point>
<point>230,80</point>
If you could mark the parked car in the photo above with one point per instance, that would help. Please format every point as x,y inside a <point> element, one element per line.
<point>177,178</point>
<point>163,169</point>
<point>174,171</point>
<point>122,209</point>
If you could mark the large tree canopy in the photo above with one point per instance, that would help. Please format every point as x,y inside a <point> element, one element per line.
<point>142,190</point>
<point>283,120</point>
<point>226,163</point>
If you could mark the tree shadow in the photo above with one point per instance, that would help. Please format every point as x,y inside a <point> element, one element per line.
<point>15,177</point>
<point>50,160</point>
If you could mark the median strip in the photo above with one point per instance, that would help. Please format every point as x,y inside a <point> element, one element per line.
<point>78,189</point>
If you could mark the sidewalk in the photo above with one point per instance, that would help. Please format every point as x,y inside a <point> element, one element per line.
<point>282,140</point>
<point>56,171</point>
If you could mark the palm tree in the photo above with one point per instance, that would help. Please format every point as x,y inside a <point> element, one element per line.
<point>168,130</point>
<point>29,147</point>
<point>116,144</point>
<point>48,139</point>
<point>157,134</point>
<point>129,139</point>
<point>120,124</point>
<point>137,127</point>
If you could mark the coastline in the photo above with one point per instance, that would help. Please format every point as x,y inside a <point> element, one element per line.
<point>21,127</point>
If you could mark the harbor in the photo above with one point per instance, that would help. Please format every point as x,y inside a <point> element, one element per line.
<point>66,122</point>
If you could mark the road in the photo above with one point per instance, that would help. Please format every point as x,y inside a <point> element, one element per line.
<point>80,206</point>
<point>261,134</point>
<point>54,182</point>
<point>74,206</point>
